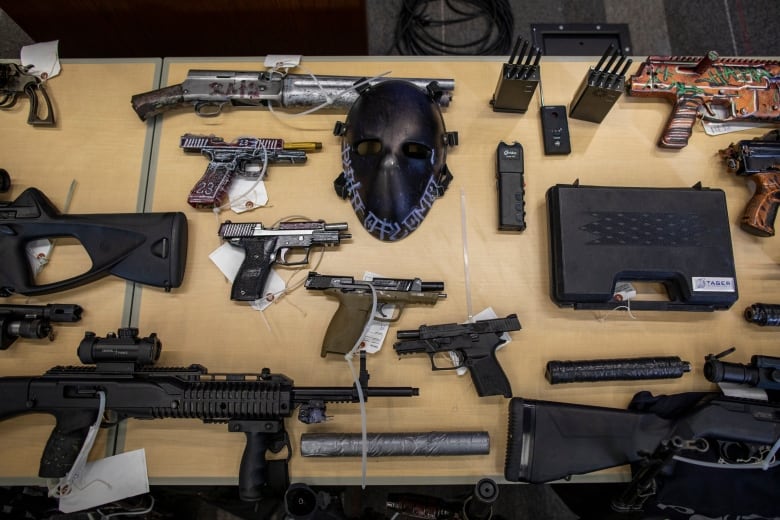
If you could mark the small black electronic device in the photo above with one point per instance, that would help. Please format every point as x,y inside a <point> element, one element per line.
<point>517,82</point>
<point>511,187</point>
<point>555,130</point>
<point>601,88</point>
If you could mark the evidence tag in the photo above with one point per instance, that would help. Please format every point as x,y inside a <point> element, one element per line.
<point>511,187</point>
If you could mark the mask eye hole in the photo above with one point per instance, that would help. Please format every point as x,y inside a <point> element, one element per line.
<point>368,147</point>
<point>416,151</point>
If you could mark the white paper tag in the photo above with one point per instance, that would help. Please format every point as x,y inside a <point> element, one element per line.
<point>228,259</point>
<point>38,252</point>
<point>624,291</point>
<point>108,480</point>
<point>713,128</point>
<point>43,58</point>
<point>282,61</point>
<point>246,194</point>
<point>743,391</point>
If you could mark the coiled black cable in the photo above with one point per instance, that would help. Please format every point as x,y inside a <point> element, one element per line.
<point>419,31</point>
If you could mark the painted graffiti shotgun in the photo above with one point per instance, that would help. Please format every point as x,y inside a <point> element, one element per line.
<point>729,89</point>
<point>210,90</point>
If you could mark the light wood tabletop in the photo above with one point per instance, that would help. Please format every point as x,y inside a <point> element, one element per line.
<point>507,271</point>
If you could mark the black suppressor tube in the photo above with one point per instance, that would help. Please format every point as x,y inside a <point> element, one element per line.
<point>395,444</point>
<point>763,314</point>
<point>616,369</point>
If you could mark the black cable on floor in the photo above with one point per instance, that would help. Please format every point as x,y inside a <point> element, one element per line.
<point>420,25</point>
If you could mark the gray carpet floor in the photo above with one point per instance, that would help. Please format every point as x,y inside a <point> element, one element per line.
<point>663,27</point>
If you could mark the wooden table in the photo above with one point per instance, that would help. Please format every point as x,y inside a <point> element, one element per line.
<point>198,323</point>
<point>99,147</point>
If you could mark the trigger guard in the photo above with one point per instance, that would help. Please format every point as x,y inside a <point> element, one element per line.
<point>278,443</point>
<point>281,257</point>
<point>200,109</point>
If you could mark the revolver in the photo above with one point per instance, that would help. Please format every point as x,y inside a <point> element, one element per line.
<point>14,80</point>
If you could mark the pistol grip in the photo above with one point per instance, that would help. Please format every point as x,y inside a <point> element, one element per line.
<point>32,117</point>
<point>210,190</point>
<point>65,442</point>
<point>488,376</point>
<point>253,274</point>
<point>347,324</point>
<point>256,474</point>
<point>759,216</point>
<point>679,127</point>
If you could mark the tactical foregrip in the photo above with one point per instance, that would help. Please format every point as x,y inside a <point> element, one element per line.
<point>253,274</point>
<point>760,212</point>
<point>209,191</point>
<point>65,442</point>
<point>347,324</point>
<point>488,376</point>
<point>149,104</point>
<point>679,127</point>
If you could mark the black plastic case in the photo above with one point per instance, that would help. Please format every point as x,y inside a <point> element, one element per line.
<point>680,237</point>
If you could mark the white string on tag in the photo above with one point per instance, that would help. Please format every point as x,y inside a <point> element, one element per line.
<point>72,480</point>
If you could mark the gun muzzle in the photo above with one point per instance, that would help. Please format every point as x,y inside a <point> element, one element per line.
<point>408,334</point>
<point>336,226</point>
<point>306,146</point>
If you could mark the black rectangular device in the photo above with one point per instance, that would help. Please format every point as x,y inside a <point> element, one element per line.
<point>604,236</point>
<point>555,130</point>
<point>511,187</point>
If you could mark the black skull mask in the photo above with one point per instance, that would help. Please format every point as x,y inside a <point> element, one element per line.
<point>393,153</point>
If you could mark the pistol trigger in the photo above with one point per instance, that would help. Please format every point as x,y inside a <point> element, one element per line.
<point>709,109</point>
<point>282,258</point>
<point>380,309</point>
